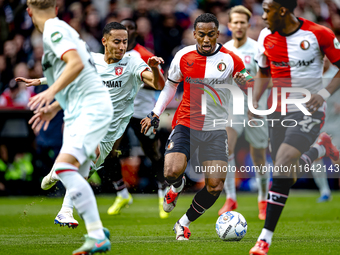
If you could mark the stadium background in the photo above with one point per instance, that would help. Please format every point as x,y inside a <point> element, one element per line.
<point>164,27</point>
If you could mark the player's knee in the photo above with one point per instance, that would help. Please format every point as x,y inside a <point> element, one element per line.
<point>215,187</point>
<point>172,173</point>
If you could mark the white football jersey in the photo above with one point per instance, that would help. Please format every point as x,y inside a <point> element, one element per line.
<point>123,80</point>
<point>247,53</point>
<point>146,98</point>
<point>59,38</point>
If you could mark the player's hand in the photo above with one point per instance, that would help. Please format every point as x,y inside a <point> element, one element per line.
<point>42,118</point>
<point>240,79</point>
<point>42,99</point>
<point>155,61</point>
<point>29,82</point>
<point>314,103</point>
<point>146,124</point>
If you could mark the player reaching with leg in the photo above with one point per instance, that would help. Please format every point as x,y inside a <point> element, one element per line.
<point>291,52</point>
<point>143,102</point>
<point>122,75</point>
<point>78,89</point>
<point>202,68</point>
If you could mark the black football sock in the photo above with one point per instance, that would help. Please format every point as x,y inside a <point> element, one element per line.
<point>277,197</point>
<point>202,201</point>
<point>176,183</point>
<point>308,158</point>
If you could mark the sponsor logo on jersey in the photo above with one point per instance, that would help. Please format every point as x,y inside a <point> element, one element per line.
<point>305,45</point>
<point>56,37</point>
<point>293,63</point>
<point>221,67</point>
<point>247,59</point>
<point>122,64</point>
<point>190,65</point>
<point>271,46</point>
<point>336,44</point>
<point>113,84</point>
<point>46,65</point>
<point>118,70</point>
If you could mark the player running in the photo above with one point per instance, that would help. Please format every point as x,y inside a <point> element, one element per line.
<point>202,67</point>
<point>143,102</point>
<point>246,48</point>
<point>291,51</point>
<point>75,84</point>
<point>122,74</point>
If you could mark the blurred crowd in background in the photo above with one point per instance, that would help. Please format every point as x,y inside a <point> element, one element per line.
<point>164,27</point>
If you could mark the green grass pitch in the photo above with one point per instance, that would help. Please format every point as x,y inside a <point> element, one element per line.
<point>26,227</point>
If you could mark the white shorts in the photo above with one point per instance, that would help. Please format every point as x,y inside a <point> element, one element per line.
<point>256,136</point>
<point>105,149</point>
<point>106,145</point>
<point>83,134</point>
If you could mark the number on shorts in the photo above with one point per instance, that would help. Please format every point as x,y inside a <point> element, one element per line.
<point>308,123</point>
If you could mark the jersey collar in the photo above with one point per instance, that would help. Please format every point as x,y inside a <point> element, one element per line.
<point>219,46</point>
<point>301,23</point>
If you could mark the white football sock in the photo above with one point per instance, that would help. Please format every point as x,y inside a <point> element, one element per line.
<point>320,179</point>
<point>266,235</point>
<point>179,189</point>
<point>54,175</point>
<point>262,182</point>
<point>124,193</point>
<point>184,221</point>
<point>98,233</point>
<point>83,199</point>
<point>229,183</point>
<point>67,203</point>
<point>321,150</point>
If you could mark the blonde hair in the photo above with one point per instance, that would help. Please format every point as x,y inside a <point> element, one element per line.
<point>42,4</point>
<point>241,10</point>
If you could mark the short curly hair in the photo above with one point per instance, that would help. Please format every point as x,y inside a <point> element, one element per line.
<point>206,18</point>
<point>289,4</point>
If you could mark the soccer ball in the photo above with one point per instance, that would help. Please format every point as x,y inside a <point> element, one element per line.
<point>231,226</point>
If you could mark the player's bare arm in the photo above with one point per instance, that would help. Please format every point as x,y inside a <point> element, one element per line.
<point>31,82</point>
<point>42,118</point>
<point>317,100</point>
<point>74,66</point>
<point>262,79</point>
<point>154,79</point>
<point>164,99</point>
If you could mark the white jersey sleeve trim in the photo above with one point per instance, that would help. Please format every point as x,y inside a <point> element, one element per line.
<point>260,57</point>
<point>165,97</point>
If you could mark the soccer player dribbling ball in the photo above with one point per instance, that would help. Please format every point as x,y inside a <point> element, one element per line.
<point>291,51</point>
<point>196,65</point>
<point>75,84</point>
